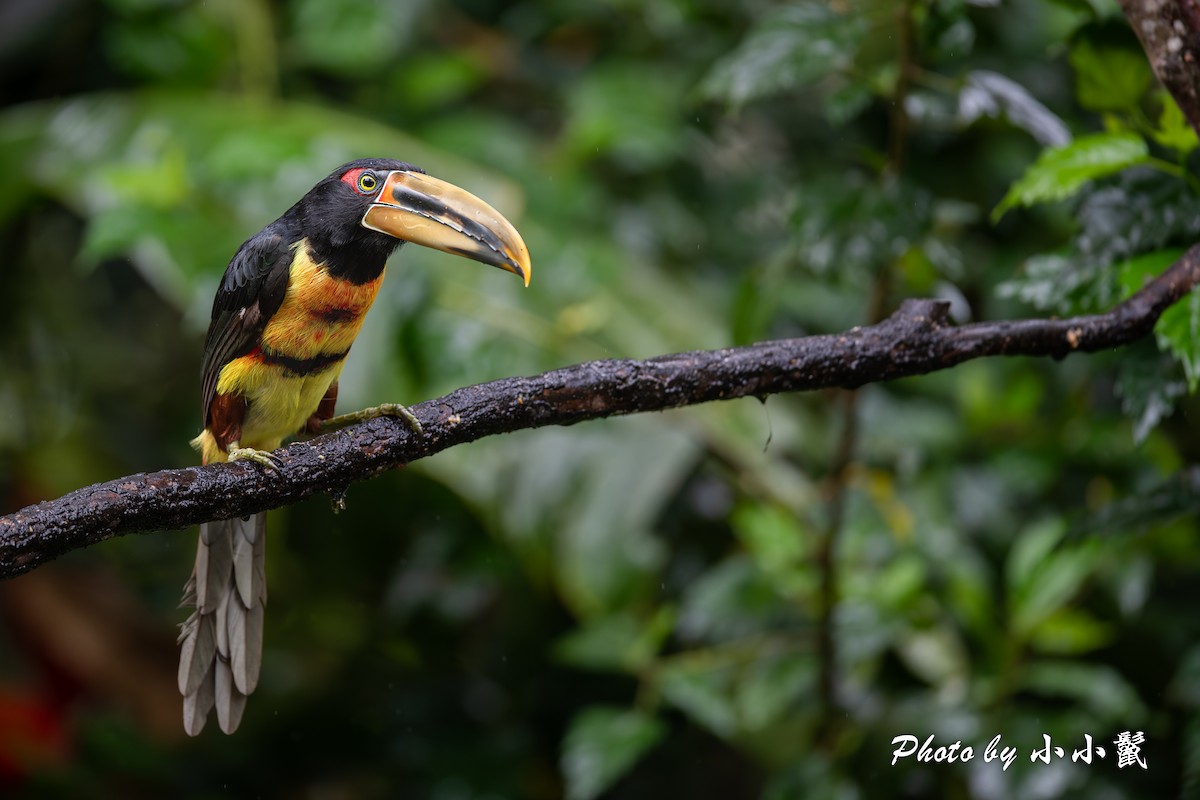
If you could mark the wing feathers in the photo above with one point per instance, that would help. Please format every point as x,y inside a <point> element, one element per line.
<point>251,291</point>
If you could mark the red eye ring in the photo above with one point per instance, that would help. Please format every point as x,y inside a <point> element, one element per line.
<point>364,181</point>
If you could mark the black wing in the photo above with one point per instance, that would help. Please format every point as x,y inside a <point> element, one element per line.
<point>251,292</point>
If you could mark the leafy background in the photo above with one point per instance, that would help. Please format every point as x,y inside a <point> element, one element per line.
<point>637,607</point>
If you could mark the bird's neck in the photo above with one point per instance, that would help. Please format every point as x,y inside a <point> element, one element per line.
<point>355,263</point>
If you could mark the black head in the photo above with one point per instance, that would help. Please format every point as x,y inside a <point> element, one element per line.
<point>363,210</point>
<point>330,217</point>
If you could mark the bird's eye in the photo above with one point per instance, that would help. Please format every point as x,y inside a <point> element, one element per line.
<point>367,182</point>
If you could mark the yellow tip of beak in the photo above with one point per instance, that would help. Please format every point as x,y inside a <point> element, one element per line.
<point>524,269</point>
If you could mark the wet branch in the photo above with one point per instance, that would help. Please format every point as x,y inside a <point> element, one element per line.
<point>917,339</point>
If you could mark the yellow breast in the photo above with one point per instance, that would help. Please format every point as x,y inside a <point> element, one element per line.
<point>320,314</point>
<point>303,348</point>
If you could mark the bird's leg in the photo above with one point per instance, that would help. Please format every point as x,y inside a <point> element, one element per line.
<point>262,457</point>
<point>324,412</point>
<point>323,420</point>
<point>385,410</point>
<point>226,414</point>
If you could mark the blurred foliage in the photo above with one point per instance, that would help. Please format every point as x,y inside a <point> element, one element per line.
<point>639,606</point>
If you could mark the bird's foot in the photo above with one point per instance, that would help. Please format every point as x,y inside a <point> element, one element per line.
<point>385,410</point>
<point>262,457</point>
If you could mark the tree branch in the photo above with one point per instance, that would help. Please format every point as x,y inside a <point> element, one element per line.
<point>1169,31</point>
<point>917,339</point>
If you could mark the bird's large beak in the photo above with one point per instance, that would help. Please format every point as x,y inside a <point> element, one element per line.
<point>423,210</point>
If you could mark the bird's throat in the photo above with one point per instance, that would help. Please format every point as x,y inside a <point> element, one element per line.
<point>358,263</point>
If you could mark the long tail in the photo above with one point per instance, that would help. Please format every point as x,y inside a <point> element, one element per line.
<point>222,640</point>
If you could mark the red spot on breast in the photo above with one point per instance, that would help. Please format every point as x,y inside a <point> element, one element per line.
<point>335,315</point>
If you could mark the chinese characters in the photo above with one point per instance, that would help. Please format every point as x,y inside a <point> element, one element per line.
<point>1128,746</point>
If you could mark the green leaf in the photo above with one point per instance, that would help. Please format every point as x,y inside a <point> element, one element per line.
<point>790,48</point>
<point>1069,632</point>
<point>702,689</point>
<point>619,642</point>
<point>1153,506</point>
<point>1134,213</point>
<point>187,46</point>
<point>846,226</point>
<point>351,37</point>
<point>1109,77</point>
<point>773,536</point>
<point>439,79</point>
<point>1046,281</point>
<point>771,685</point>
<point>846,102</point>
<point>602,745</point>
<point>1057,582</point>
<point>1134,273</point>
<point>1043,576</point>
<point>948,32</point>
<point>1174,131</point>
<point>1148,388</point>
<point>604,551</point>
<point>1100,689</point>
<point>625,114</point>
<point>902,582</point>
<point>1059,172</point>
<point>1178,329</point>
<point>936,655</point>
<point>733,599</point>
<point>755,303</point>
<point>1032,547</point>
<point>1178,332</point>
<point>971,595</point>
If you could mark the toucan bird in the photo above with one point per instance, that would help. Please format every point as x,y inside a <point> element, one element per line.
<point>286,313</point>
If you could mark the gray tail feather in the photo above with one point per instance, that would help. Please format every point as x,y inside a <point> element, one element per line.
<point>221,642</point>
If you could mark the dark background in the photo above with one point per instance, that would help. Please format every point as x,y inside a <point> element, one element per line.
<point>633,607</point>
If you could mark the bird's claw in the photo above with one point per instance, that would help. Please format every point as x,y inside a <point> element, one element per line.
<point>262,457</point>
<point>397,410</point>
<point>385,410</point>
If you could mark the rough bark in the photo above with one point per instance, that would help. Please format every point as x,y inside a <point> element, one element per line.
<point>918,338</point>
<point>1169,31</point>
